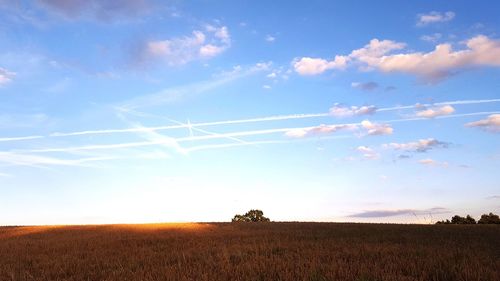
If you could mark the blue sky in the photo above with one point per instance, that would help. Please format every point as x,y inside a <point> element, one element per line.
<point>147,111</point>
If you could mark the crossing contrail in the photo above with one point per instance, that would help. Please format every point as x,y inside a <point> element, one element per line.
<point>228,135</point>
<point>236,121</point>
<point>259,119</point>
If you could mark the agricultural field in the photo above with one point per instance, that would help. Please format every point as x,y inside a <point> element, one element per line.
<point>251,251</point>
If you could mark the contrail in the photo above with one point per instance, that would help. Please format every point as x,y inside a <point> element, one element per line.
<point>229,135</point>
<point>441,117</point>
<point>191,128</point>
<point>237,121</point>
<point>220,146</point>
<point>203,124</point>
<point>160,142</point>
<point>458,102</point>
<point>260,119</point>
<point>21,138</point>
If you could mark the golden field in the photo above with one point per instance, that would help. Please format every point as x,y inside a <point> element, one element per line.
<point>251,251</point>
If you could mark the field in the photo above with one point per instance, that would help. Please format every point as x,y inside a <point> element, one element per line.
<point>251,251</point>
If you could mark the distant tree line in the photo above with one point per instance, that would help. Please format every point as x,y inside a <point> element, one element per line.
<point>485,219</point>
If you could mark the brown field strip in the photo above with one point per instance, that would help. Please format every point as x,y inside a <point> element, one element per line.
<point>251,251</point>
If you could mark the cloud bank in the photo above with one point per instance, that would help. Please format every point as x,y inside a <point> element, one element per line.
<point>431,67</point>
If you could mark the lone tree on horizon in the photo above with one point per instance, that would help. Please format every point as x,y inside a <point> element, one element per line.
<point>251,216</point>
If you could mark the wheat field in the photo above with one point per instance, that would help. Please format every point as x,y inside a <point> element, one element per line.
<point>251,251</point>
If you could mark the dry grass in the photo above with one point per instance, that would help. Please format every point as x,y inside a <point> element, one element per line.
<point>268,251</point>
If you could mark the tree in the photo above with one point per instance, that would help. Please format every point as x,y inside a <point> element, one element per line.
<point>489,219</point>
<point>251,216</point>
<point>461,220</point>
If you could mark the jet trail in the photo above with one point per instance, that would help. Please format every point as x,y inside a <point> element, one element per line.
<point>229,135</point>
<point>236,121</point>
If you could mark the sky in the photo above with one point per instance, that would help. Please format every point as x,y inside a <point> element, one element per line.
<point>179,111</point>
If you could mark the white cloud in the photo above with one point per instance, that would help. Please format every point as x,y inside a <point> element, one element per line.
<point>266,87</point>
<point>491,124</point>
<point>6,76</point>
<point>318,130</point>
<point>210,50</point>
<point>443,61</point>
<point>422,145</point>
<point>341,111</point>
<point>434,17</point>
<point>313,66</point>
<point>374,50</point>
<point>375,129</point>
<point>372,129</point>
<point>270,38</point>
<point>223,34</point>
<point>434,111</point>
<point>432,162</point>
<point>366,86</point>
<point>367,152</point>
<point>182,50</point>
<point>272,75</point>
<point>368,54</point>
<point>432,66</point>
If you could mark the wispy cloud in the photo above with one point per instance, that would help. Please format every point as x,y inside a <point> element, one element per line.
<point>490,124</point>
<point>434,17</point>
<point>367,152</point>
<point>366,127</point>
<point>432,37</point>
<point>181,50</point>
<point>422,145</point>
<point>102,10</point>
<point>365,86</point>
<point>6,76</point>
<point>270,38</point>
<point>432,162</point>
<point>175,94</point>
<point>16,120</point>
<point>35,160</point>
<point>399,212</point>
